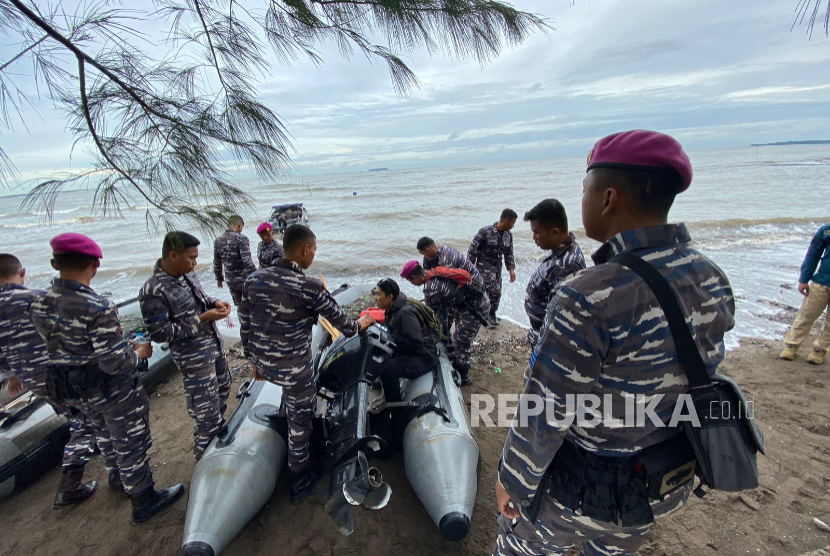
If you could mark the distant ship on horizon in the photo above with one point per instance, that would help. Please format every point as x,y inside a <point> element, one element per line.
<point>377,169</point>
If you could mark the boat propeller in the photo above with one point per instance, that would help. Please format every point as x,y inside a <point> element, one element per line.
<point>366,488</point>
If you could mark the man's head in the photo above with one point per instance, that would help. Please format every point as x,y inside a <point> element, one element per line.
<point>426,247</point>
<point>179,252</point>
<point>265,232</point>
<point>75,256</point>
<point>631,182</point>
<point>549,224</point>
<point>507,220</point>
<point>413,272</point>
<point>236,223</point>
<point>386,292</point>
<point>11,271</point>
<point>300,245</point>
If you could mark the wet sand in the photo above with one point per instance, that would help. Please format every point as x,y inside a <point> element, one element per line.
<point>792,404</point>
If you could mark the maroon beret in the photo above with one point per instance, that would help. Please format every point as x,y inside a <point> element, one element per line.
<point>75,243</point>
<point>409,268</point>
<point>642,150</point>
<point>264,227</point>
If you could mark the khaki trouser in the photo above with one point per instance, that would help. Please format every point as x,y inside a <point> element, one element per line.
<point>811,309</point>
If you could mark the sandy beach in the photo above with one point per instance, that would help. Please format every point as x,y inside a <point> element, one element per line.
<point>792,404</point>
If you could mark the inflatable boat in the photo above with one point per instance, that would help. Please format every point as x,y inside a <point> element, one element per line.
<point>240,468</point>
<point>32,434</point>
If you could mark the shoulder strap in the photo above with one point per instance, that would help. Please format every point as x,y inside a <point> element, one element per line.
<point>687,351</point>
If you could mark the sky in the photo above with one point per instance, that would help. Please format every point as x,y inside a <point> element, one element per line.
<point>711,73</point>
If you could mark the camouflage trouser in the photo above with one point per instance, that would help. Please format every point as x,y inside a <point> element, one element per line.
<point>533,332</point>
<point>125,417</point>
<point>465,331</point>
<point>81,438</point>
<point>492,283</point>
<point>559,528</point>
<point>206,390</point>
<point>236,293</point>
<point>299,409</point>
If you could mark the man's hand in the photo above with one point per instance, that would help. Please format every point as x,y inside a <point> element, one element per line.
<point>15,386</point>
<point>505,506</point>
<point>215,314</point>
<point>365,322</point>
<point>222,305</point>
<point>256,374</point>
<point>219,283</point>
<point>804,289</point>
<point>512,275</point>
<point>144,351</point>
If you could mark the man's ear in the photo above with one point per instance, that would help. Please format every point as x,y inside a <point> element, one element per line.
<point>22,272</point>
<point>610,201</point>
<point>54,264</point>
<point>97,264</point>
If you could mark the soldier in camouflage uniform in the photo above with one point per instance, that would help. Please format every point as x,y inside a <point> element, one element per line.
<point>549,225</point>
<point>280,305</point>
<point>488,248</point>
<point>232,261</point>
<point>465,324</point>
<point>177,311</point>
<point>24,354</point>
<point>95,371</point>
<point>442,295</point>
<point>606,335</point>
<point>269,250</point>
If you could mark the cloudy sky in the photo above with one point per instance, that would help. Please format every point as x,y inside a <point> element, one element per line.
<point>712,73</point>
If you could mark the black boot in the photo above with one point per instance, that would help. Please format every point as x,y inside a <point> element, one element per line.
<point>71,490</point>
<point>304,482</point>
<point>492,320</point>
<point>152,501</point>
<point>115,481</point>
<point>463,378</point>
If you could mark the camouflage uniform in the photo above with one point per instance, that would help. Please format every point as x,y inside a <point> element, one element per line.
<point>232,254</point>
<point>561,263</point>
<point>269,253</point>
<point>81,327</point>
<point>437,294</point>
<point>171,307</point>
<point>280,305</point>
<point>606,335</point>
<point>440,296</point>
<point>486,253</point>
<point>24,352</point>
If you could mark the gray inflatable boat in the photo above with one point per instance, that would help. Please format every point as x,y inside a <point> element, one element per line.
<point>239,471</point>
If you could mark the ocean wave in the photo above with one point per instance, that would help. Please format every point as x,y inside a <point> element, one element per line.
<point>38,213</point>
<point>745,223</point>
<point>79,220</point>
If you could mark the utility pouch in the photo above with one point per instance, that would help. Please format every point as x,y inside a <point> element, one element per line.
<point>668,465</point>
<point>724,436</point>
<point>67,382</point>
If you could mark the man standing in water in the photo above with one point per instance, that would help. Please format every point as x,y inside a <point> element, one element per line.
<point>491,245</point>
<point>95,371</point>
<point>232,261</point>
<point>280,305</point>
<point>561,484</point>
<point>814,285</point>
<point>177,311</point>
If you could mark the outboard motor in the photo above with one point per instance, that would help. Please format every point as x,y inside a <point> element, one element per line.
<point>346,371</point>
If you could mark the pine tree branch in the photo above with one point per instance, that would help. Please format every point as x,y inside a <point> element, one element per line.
<point>23,52</point>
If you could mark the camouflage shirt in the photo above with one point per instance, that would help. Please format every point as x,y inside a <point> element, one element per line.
<point>232,253</point>
<point>607,335</point>
<point>451,257</point>
<point>280,305</point>
<point>21,347</point>
<point>171,307</point>
<point>269,253</point>
<point>561,263</point>
<point>489,246</point>
<point>80,327</point>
